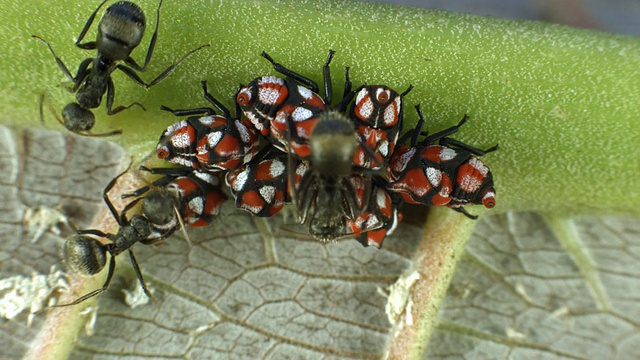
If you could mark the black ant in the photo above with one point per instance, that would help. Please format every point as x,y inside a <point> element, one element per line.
<point>119,32</point>
<point>85,255</point>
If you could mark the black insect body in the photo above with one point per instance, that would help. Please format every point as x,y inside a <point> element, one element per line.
<point>328,194</point>
<point>85,255</point>
<point>119,32</point>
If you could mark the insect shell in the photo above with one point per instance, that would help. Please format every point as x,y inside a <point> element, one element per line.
<point>378,114</point>
<point>446,174</point>
<point>380,219</point>
<point>210,142</point>
<point>120,31</point>
<point>285,110</point>
<point>260,187</point>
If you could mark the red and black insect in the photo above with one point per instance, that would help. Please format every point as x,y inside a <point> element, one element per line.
<point>260,187</point>
<point>119,32</point>
<point>210,142</point>
<point>378,114</point>
<point>380,219</point>
<point>181,195</point>
<point>285,110</point>
<point>444,174</point>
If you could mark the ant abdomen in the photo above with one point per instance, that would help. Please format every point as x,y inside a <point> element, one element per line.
<point>84,255</point>
<point>120,30</point>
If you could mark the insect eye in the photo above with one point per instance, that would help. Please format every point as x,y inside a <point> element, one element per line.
<point>243,97</point>
<point>163,153</point>
<point>383,97</point>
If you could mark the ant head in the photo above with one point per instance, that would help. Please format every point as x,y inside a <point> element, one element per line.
<point>120,30</point>
<point>77,118</point>
<point>84,255</point>
<point>158,207</point>
<point>333,144</point>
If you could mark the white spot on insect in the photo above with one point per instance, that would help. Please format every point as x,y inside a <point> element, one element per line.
<point>433,175</point>
<point>240,181</point>
<point>252,209</point>
<point>20,293</point>
<point>403,160</point>
<point>277,168</point>
<point>207,120</point>
<point>489,195</point>
<point>365,105</point>
<point>268,193</point>
<point>196,205</point>
<point>479,165</point>
<point>470,183</point>
<point>390,115</point>
<point>181,140</point>
<point>381,199</point>
<point>183,161</point>
<point>304,92</point>
<point>301,114</point>
<point>383,148</point>
<point>175,126</point>
<point>213,138</point>
<point>302,168</point>
<point>243,131</point>
<point>207,177</point>
<point>447,154</point>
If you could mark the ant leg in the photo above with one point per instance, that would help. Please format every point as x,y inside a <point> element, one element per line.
<point>475,151</point>
<point>284,71</point>
<point>91,44</point>
<point>105,197</point>
<point>131,73</point>
<point>111,93</point>
<point>326,75</point>
<point>112,266</point>
<point>152,45</point>
<point>225,112</point>
<point>94,232</point>
<point>136,268</point>
<point>82,69</point>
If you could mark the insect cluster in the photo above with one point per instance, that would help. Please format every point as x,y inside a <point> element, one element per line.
<point>345,168</point>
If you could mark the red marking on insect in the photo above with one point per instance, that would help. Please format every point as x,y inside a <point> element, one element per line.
<point>211,142</point>
<point>378,115</point>
<point>200,196</point>
<point>261,187</point>
<point>380,219</point>
<point>446,174</point>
